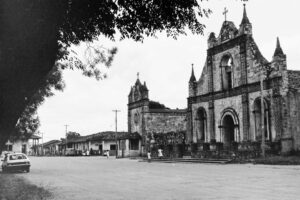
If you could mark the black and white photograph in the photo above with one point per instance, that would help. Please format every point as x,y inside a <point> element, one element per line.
<point>149,99</point>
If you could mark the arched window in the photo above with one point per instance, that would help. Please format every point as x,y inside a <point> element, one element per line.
<point>257,120</point>
<point>201,125</point>
<point>226,72</point>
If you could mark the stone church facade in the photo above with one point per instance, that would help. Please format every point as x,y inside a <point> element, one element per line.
<point>224,105</point>
<point>239,99</point>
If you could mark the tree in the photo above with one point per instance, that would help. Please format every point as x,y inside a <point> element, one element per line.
<point>36,34</point>
<point>72,134</point>
<point>29,122</point>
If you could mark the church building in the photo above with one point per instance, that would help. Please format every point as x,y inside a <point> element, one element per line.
<point>158,126</point>
<point>241,97</point>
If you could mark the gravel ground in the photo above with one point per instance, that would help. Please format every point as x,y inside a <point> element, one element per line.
<point>100,178</point>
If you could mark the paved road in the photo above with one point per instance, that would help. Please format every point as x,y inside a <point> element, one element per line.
<point>100,178</point>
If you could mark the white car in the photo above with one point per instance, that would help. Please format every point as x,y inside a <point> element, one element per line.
<point>15,162</point>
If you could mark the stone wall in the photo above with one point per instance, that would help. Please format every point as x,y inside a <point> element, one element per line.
<point>294,119</point>
<point>165,122</point>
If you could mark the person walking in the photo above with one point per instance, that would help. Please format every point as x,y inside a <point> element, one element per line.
<point>107,154</point>
<point>160,154</point>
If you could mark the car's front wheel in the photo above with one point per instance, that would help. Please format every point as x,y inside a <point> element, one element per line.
<point>27,170</point>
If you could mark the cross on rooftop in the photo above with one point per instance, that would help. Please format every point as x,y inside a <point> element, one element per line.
<point>225,13</point>
<point>138,75</point>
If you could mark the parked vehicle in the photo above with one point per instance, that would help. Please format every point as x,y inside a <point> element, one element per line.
<point>70,152</point>
<point>15,162</point>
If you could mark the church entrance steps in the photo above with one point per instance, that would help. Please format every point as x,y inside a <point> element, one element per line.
<point>190,160</point>
<point>187,157</point>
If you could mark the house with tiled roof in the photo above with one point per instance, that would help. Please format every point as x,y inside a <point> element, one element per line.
<point>123,144</point>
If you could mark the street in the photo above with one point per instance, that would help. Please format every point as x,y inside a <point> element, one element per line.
<point>101,178</point>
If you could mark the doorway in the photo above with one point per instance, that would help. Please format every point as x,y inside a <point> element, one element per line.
<point>228,130</point>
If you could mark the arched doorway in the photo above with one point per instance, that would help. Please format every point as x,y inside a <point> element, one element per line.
<point>228,129</point>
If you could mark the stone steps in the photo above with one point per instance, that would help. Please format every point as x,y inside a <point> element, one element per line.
<point>189,160</point>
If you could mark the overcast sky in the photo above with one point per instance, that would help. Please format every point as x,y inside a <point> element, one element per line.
<point>165,64</point>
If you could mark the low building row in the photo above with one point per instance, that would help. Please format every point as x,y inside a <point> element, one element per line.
<point>121,144</point>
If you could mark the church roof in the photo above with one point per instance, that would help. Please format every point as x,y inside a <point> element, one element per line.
<point>156,105</point>
<point>256,52</point>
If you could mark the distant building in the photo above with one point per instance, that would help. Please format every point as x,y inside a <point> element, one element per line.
<point>50,148</point>
<point>21,145</point>
<point>96,144</point>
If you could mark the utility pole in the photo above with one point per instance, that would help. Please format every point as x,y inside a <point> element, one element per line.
<point>66,135</point>
<point>262,119</point>
<point>42,143</point>
<point>116,119</point>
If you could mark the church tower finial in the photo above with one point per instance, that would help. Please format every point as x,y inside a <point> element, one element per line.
<point>192,79</point>
<point>278,50</point>
<point>245,19</point>
<point>245,26</point>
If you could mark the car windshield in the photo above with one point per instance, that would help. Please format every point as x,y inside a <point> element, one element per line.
<point>17,157</point>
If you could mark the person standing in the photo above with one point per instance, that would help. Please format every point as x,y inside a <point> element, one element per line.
<point>107,154</point>
<point>160,154</point>
<point>149,156</point>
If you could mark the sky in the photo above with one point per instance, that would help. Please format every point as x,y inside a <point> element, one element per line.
<point>86,105</point>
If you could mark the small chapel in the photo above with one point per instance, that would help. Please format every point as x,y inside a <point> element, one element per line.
<point>241,98</point>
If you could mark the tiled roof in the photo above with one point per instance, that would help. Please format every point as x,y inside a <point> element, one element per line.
<point>51,142</point>
<point>107,135</point>
<point>134,135</point>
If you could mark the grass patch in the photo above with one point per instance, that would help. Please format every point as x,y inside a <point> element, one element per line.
<point>279,160</point>
<point>17,188</point>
